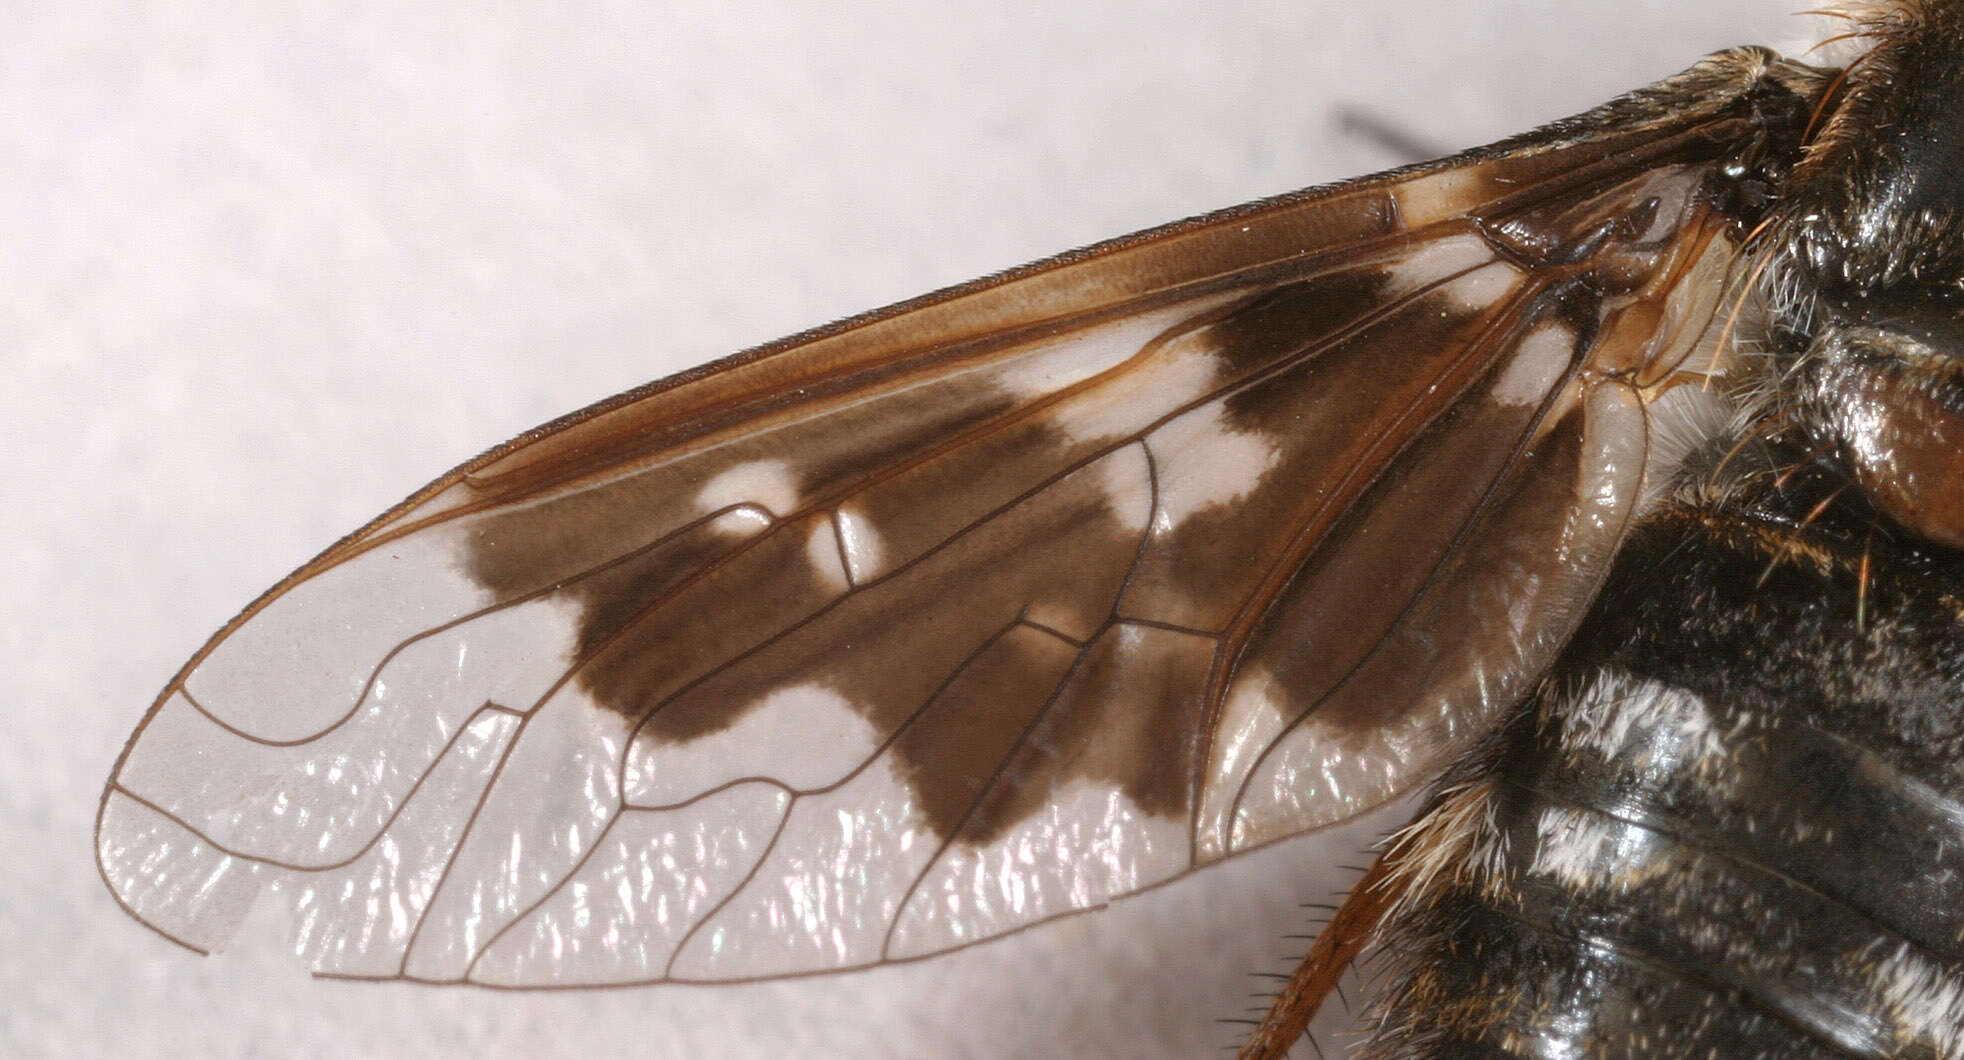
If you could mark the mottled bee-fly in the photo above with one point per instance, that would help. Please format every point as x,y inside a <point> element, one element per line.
<point>1605,483</point>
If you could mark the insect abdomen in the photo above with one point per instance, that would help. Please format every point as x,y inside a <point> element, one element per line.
<point>1729,830</point>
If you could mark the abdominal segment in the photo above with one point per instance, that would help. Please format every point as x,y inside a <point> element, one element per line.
<point>1731,826</point>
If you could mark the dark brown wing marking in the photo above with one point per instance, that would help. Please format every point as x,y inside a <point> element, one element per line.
<point>978,611</point>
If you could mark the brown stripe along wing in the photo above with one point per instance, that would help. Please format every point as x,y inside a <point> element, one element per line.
<point>967,614</point>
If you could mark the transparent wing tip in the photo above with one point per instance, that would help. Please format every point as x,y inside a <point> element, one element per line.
<point>183,887</point>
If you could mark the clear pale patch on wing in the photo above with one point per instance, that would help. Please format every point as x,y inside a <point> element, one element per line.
<point>967,615</point>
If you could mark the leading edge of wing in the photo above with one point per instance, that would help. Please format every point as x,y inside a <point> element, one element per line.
<point>1683,114</point>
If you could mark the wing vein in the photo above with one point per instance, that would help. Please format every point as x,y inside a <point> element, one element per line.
<point>1425,585</point>
<point>1310,532</point>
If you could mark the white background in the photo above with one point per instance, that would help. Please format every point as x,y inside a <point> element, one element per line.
<point>266,268</point>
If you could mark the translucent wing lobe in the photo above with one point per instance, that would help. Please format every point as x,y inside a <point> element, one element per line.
<point>965,615</point>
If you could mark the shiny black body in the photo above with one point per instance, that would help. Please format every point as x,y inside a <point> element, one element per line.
<point>1734,826</point>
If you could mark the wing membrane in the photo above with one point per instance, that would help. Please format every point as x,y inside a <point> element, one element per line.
<point>979,611</point>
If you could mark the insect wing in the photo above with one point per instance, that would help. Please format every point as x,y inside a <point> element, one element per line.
<point>964,615</point>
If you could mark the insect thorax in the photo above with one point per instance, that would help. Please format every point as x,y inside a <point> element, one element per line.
<point>1868,258</point>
